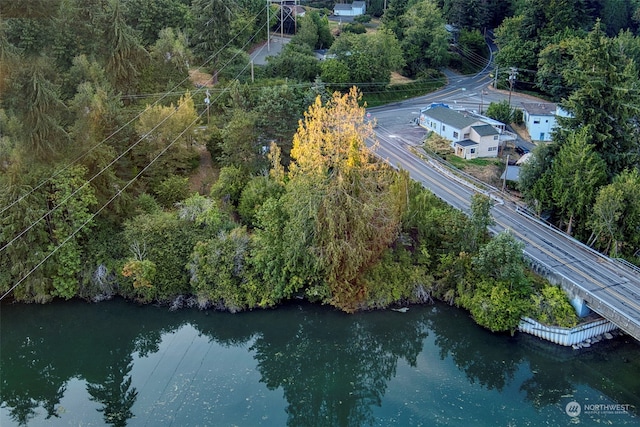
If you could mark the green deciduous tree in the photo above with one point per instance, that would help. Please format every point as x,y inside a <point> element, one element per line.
<point>425,41</point>
<point>296,61</point>
<point>254,194</point>
<point>502,293</point>
<point>481,219</point>
<point>496,307</point>
<point>170,61</point>
<point>370,58</point>
<point>517,49</point>
<point>167,134</point>
<point>468,14</point>
<point>502,259</point>
<point>615,217</point>
<point>231,181</point>
<point>240,145</point>
<point>314,31</point>
<point>220,272</point>
<point>52,222</point>
<point>278,110</point>
<point>500,111</point>
<point>165,240</point>
<point>606,213</point>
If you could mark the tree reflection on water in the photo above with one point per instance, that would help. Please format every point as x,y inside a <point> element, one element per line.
<point>333,368</point>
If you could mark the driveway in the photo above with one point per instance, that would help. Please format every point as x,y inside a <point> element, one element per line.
<point>273,48</point>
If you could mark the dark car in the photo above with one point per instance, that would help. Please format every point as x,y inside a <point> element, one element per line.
<point>522,150</point>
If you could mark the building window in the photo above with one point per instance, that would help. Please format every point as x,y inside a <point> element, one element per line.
<point>473,150</point>
<point>495,137</point>
<point>443,128</point>
<point>546,121</point>
<point>466,136</point>
<point>536,122</point>
<point>455,134</point>
<point>492,149</point>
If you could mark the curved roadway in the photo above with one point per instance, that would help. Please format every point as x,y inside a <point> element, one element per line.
<point>610,288</point>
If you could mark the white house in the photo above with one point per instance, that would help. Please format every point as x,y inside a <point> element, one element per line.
<point>470,135</point>
<point>350,9</point>
<point>539,119</point>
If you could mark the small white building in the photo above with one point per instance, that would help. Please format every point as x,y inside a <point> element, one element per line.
<point>539,119</point>
<point>470,135</point>
<point>356,8</point>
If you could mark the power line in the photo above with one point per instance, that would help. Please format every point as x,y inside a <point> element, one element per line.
<point>117,194</point>
<point>86,153</point>
<point>61,203</point>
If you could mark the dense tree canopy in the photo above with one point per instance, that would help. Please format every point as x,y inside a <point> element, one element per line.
<point>101,126</point>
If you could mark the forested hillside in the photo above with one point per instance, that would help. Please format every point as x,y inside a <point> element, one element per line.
<point>101,127</point>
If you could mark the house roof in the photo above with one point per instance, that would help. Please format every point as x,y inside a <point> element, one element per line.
<point>466,143</point>
<point>540,108</point>
<point>450,117</point>
<point>485,130</point>
<point>342,6</point>
<point>512,172</point>
<point>358,4</point>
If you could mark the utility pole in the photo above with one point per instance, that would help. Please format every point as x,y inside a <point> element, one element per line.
<point>513,72</point>
<point>495,81</point>
<point>506,169</point>
<point>268,28</point>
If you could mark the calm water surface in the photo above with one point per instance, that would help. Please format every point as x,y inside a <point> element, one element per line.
<point>118,364</point>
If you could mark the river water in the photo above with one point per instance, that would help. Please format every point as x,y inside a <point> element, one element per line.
<point>116,363</point>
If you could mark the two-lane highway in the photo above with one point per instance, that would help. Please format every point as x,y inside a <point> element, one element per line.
<point>609,288</point>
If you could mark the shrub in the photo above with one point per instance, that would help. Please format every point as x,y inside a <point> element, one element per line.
<point>172,190</point>
<point>356,28</point>
<point>551,307</point>
<point>363,19</point>
<point>229,185</point>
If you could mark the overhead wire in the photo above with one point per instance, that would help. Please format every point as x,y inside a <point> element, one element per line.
<point>164,95</point>
<point>116,195</point>
<point>99,173</point>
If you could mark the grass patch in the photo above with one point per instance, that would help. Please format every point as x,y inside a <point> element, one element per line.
<point>461,163</point>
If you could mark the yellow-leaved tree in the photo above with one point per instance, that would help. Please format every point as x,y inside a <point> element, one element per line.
<point>357,200</point>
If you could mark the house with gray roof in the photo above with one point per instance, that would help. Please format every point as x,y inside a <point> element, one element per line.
<point>350,9</point>
<point>470,135</point>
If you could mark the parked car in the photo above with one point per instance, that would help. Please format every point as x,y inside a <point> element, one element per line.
<point>522,150</point>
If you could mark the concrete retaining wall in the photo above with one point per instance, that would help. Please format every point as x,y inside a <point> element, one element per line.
<point>566,336</point>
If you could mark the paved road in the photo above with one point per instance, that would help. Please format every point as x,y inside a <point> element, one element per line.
<point>273,48</point>
<point>610,288</point>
